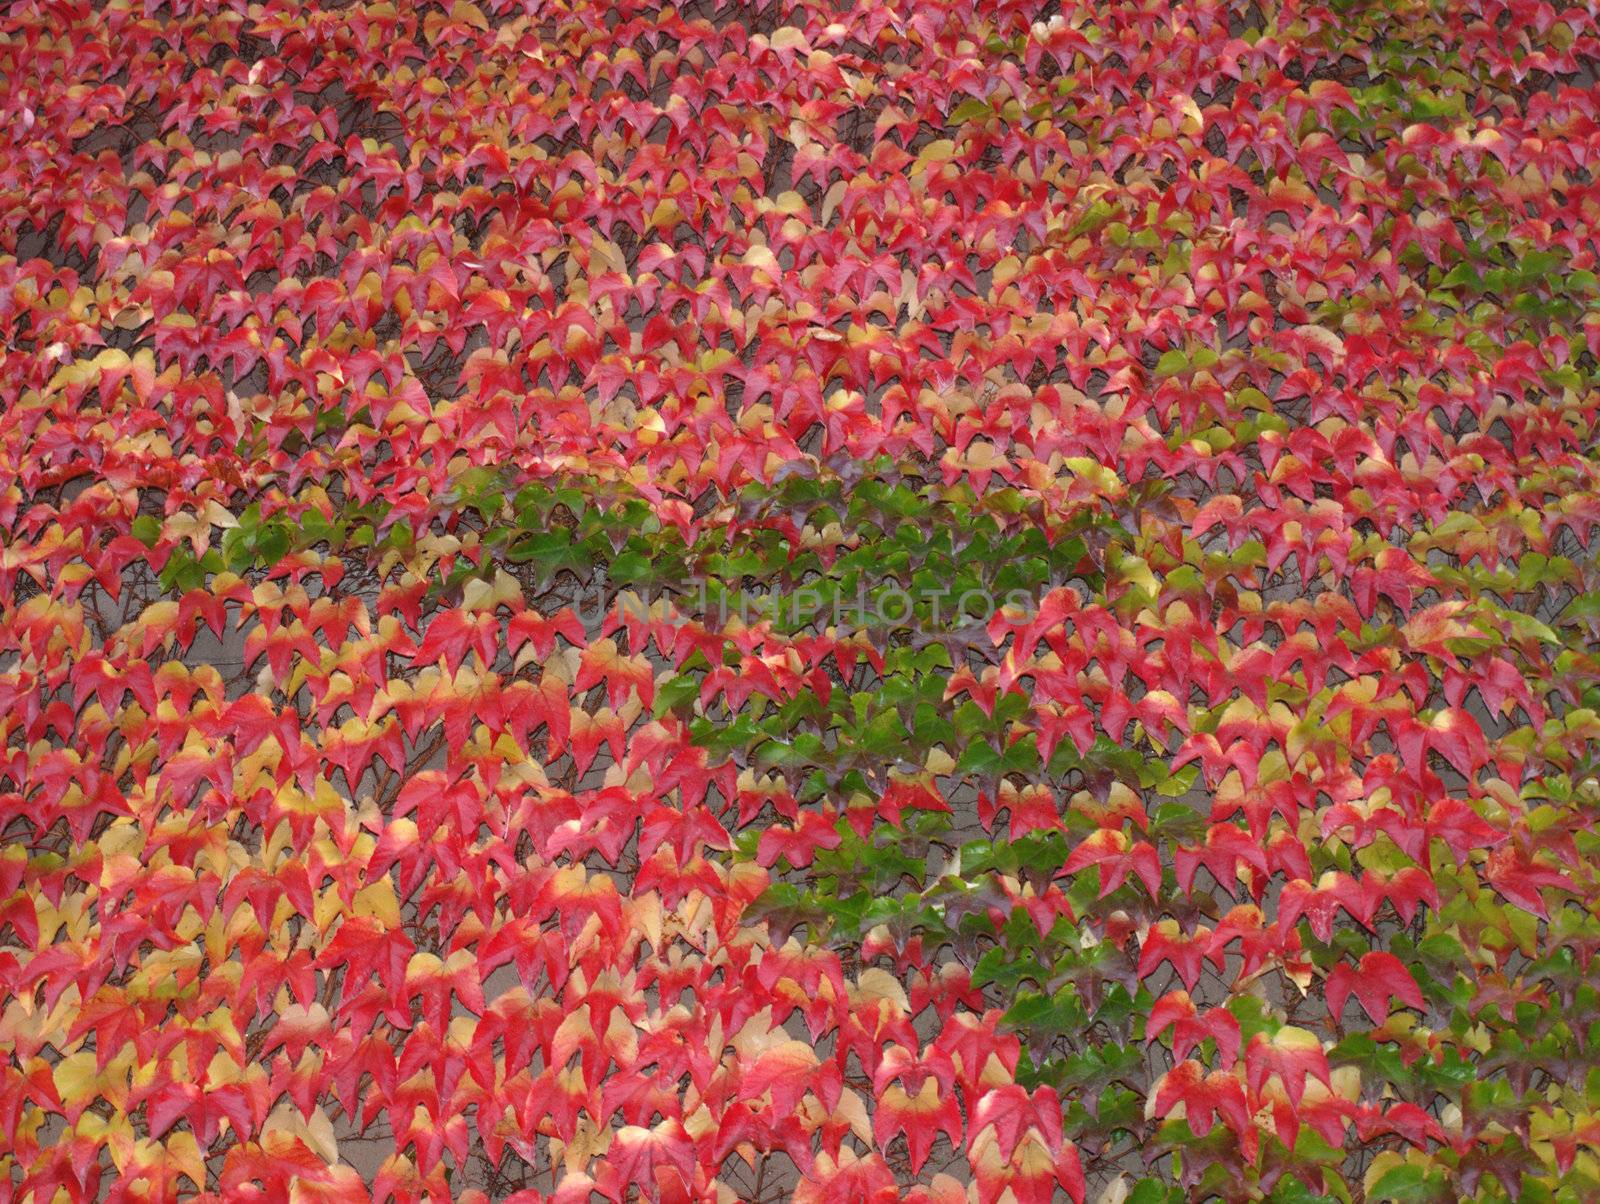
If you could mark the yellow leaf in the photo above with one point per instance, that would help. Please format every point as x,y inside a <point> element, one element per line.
<point>831,199</point>
<point>377,901</point>
<point>1135,570</point>
<point>790,202</point>
<point>589,1141</point>
<point>875,984</point>
<point>644,917</point>
<point>183,1151</point>
<point>316,1133</point>
<point>852,1110</point>
<point>666,215</point>
<point>1193,120</point>
<point>469,14</point>
<point>699,1123</point>
<point>1114,1192</point>
<point>606,256</point>
<point>75,1077</point>
<point>762,259</point>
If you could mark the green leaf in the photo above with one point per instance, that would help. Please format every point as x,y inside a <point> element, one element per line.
<point>1403,1182</point>
<point>1153,1191</point>
<point>147,529</point>
<point>1463,275</point>
<point>629,567</point>
<point>272,542</point>
<point>969,110</point>
<point>1171,363</point>
<point>676,694</point>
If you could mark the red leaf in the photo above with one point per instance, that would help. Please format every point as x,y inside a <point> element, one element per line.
<point>1381,976</point>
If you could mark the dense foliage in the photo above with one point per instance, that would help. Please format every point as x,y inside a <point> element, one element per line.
<point>867,601</point>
